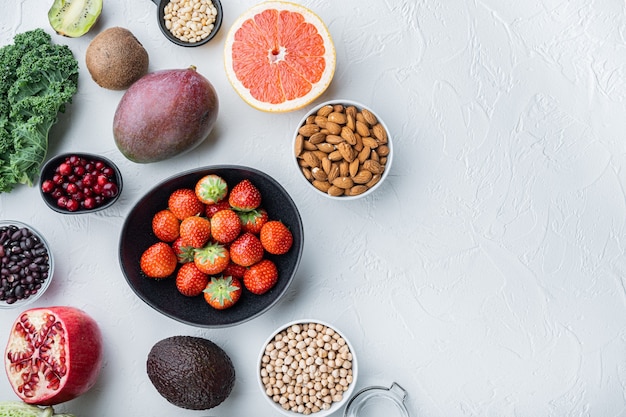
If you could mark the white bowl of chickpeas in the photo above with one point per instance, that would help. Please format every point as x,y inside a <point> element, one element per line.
<point>307,367</point>
<point>342,149</point>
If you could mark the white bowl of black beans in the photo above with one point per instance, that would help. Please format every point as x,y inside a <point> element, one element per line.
<point>26,264</point>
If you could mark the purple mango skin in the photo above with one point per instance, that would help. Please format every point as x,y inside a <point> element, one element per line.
<point>164,114</point>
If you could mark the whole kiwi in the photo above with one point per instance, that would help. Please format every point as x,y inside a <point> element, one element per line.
<point>116,59</point>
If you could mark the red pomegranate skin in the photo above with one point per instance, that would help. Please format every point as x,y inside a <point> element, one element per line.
<point>164,114</point>
<point>45,327</point>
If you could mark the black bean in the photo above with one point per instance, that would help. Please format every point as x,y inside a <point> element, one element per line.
<point>24,263</point>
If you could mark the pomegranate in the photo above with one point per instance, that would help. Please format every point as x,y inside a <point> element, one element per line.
<point>53,354</point>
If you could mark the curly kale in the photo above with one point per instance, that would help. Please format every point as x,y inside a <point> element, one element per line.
<point>37,80</point>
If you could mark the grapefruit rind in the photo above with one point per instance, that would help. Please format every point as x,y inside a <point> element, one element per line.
<point>316,87</point>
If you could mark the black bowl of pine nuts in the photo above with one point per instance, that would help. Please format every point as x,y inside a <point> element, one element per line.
<point>307,367</point>
<point>26,264</point>
<point>189,22</point>
<point>342,149</point>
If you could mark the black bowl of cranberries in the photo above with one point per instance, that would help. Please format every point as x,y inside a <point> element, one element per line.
<point>74,183</point>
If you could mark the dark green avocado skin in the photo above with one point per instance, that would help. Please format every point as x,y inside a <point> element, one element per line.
<point>191,372</point>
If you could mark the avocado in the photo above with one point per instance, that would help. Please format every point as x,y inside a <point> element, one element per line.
<point>191,372</point>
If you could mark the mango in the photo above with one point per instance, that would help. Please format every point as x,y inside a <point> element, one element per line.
<point>164,114</point>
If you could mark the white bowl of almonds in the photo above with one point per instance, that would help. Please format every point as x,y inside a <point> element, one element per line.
<point>307,367</point>
<point>343,149</point>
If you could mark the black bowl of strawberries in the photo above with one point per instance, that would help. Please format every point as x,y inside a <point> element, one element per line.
<point>212,247</point>
<point>76,183</point>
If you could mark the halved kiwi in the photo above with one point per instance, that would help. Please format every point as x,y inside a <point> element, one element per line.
<point>74,18</point>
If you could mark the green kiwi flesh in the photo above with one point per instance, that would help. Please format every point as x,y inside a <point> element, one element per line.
<point>74,18</point>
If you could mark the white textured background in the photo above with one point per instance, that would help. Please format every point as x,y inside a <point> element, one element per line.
<point>486,276</point>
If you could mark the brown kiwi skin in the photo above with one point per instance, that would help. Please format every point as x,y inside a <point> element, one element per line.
<point>116,59</point>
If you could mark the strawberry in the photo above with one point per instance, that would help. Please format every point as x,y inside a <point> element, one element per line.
<point>275,237</point>
<point>225,226</point>
<point>211,209</point>
<point>211,188</point>
<point>244,196</point>
<point>190,281</point>
<point>253,220</point>
<point>165,226</point>
<point>234,270</point>
<point>183,253</point>
<point>158,261</point>
<point>261,277</point>
<point>222,292</point>
<point>246,250</point>
<point>195,231</point>
<point>212,259</point>
<point>184,203</point>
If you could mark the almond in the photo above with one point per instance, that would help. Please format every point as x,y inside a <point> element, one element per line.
<point>362,177</point>
<point>325,110</point>
<point>343,182</point>
<point>317,137</point>
<point>350,122</point>
<point>311,159</point>
<point>334,172</point>
<point>338,108</point>
<point>335,156</point>
<point>323,186</point>
<point>326,164</point>
<point>335,191</point>
<point>382,150</point>
<point>373,181</point>
<point>298,145</point>
<point>344,169</point>
<point>337,117</point>
<point>369,142</point>
<point>354,167</point>
<point>351,111</point>
<point>361,129</point>
<point>348,135</point>
<point>357,189</point>
<point>326,147</point>
<point>307,173</point>
<point>380,133</point>
<point>334,139</point>
<point>333,128</point>
<point>369,117</point>
<point>308,146</point>
<point>308,129</point>
<point>318,174</point>
<point>373,166</point>
<point>346,151</point>
<point>321,121</point>
<point>364,154</point>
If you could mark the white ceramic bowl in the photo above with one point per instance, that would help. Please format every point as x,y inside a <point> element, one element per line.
<point>301,163</point>
<point>27,251</point>
<point>301,370</point>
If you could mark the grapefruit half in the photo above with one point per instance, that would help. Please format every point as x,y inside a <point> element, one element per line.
<point>279,56</point>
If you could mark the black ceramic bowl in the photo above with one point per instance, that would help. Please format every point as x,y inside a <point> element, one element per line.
<point>162,295</point>
<point>48,172</point>
<point>170,36</point>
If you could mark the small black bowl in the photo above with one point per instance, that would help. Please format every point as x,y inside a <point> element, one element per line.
<point>136,236</point>
<point>170,36</point>
<point>49,169</point>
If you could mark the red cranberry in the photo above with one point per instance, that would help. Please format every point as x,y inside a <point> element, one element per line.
<point>65,169</point>
<point>72,205</point>
<point>62,201</point>
<point>48,186</point>
<point>109,190</point>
